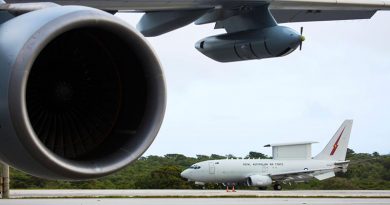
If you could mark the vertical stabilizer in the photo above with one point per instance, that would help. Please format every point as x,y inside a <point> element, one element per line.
<point>336,149</point>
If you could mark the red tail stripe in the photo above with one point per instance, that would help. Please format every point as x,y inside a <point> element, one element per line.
<point>336,143</point>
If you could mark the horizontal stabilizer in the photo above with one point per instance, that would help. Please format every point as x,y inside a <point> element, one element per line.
<point>326,175</point>
<point>160,22</point>
<point>342,162</point>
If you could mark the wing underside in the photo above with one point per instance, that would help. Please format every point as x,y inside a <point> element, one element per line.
<point>169,5</point>
<point>162,16</point>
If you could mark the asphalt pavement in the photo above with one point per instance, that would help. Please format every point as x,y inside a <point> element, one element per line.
<point>197,193</point>
<point>197,201</point>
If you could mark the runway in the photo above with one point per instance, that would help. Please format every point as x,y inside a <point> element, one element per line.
<point>139,193</point>
<point>196,197</point>
<point>197,201</point>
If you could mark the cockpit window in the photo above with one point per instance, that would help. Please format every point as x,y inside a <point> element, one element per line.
<point>194,167</point>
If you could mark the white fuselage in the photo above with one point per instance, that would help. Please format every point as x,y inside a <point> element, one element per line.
<point>238,170</point>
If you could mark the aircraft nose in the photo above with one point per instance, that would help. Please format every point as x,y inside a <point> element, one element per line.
<point>185,174</point>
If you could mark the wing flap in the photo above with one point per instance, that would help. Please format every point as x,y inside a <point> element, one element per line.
<point>325,175</point>
<point>330,4</point>
<point>285,16</point>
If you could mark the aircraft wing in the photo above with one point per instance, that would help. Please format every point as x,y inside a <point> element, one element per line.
<point>314,6</point>
<point>160,5</point>
<point>162,16</point>
<point>302,175</point>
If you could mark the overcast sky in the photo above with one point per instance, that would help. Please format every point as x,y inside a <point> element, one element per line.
<point>343,72</point>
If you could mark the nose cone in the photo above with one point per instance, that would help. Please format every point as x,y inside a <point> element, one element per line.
<point>292,38</point>
<point>282,40</point>
<point>185,174</point>
<point>293,42</point>
<point>296,40</point>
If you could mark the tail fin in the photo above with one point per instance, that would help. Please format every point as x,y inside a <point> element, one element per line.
<point>336,149</point>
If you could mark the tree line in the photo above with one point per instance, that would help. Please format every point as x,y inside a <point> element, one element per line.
<point>366,171</point>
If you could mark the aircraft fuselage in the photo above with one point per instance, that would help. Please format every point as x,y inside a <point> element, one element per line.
<point>238,170</point>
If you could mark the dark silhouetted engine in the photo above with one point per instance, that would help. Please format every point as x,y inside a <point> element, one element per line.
<point>82,94</point>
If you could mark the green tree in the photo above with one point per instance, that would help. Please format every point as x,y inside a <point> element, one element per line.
<point>256,155</point>
<point>230,156</point>
<point>202,157</point>
<point>215,156</point>
<point>166,177</point>
<point>350,153</point>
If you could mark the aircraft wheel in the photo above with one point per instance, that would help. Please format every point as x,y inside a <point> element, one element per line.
<point>277,187</point>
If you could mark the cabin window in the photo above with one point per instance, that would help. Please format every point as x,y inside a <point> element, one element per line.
<point>194,167</point>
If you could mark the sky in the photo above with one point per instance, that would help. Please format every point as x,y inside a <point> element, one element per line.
<point>342,72</point>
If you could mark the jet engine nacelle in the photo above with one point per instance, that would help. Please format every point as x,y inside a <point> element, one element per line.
<point>246,45</point>
<point>259,180</point>
<point>82,94</point>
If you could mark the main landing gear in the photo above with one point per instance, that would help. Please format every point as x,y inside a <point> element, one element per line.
<point>277,187</point>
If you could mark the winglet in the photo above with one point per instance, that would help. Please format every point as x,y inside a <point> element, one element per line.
<point>336,149</point>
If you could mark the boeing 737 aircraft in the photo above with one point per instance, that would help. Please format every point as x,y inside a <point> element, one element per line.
<point>263,172</point>
<point>82,94</point>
